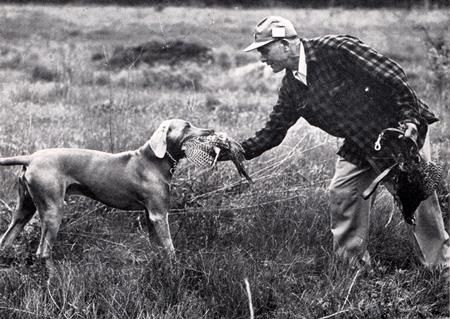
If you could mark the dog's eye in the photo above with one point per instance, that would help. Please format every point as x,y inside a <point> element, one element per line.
<point>187,127</point>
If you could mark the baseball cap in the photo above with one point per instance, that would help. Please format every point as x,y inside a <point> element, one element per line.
<point>270,29</point>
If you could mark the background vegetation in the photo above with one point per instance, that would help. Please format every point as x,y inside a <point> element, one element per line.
<point>255,3</point>
<point>59,88</point>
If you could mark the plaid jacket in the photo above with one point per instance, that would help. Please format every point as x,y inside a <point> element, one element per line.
<point>353,92</point>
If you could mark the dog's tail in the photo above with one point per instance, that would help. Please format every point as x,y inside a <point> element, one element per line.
<point>15,160</point>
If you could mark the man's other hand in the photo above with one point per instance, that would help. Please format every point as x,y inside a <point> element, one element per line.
<point>411,131</point>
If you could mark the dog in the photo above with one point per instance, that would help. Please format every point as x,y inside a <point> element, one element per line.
<point>132,180</point>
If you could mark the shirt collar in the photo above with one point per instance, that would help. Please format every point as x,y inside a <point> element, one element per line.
<point>310,49</point>
<point>301,73</point>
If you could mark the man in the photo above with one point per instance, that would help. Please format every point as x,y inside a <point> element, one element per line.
<point>347,89</point>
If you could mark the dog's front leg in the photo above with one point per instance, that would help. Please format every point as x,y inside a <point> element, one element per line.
<point>158,224</point>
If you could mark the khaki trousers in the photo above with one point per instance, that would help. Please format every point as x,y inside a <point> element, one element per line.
<point>350,216</point>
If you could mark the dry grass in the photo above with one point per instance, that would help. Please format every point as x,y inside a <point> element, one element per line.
<point>276,233</point>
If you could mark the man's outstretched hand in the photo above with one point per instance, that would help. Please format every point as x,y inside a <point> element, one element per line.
<point>232,150</point>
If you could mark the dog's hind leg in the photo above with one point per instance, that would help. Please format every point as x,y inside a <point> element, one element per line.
<point>48,195</point>
<point>21,216</point>
<point>50,222</point>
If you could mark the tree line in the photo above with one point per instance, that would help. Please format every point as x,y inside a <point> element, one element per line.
<point>428,4</point>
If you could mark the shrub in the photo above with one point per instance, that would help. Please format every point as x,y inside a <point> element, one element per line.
<point>43,73</point>
<point>158,52</point>
<point>9,58</point>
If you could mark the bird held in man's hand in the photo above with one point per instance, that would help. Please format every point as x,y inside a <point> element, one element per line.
<point>204,151</point>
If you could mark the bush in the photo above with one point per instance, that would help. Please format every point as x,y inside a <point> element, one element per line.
<point>9,58</point>
<point>43,73</point>
<point>157,52</point>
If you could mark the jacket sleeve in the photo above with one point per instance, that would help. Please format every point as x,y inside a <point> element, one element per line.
<point>358,57</point>
<point>282,117</point>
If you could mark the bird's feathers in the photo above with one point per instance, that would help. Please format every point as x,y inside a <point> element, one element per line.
<point>205,150</point>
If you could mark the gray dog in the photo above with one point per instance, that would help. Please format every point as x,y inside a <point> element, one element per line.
<point>133,180</point>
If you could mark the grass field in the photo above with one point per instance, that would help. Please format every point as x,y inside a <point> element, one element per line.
<point>275,233</point>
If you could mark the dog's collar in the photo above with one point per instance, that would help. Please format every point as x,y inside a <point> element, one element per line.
<point>174,162</point>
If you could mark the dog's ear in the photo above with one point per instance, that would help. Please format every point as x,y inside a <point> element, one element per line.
<point>158,141</point>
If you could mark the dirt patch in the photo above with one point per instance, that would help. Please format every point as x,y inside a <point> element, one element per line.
<point>156,52</point>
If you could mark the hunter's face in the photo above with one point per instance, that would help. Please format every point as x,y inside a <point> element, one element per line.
<point>274,55</point>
